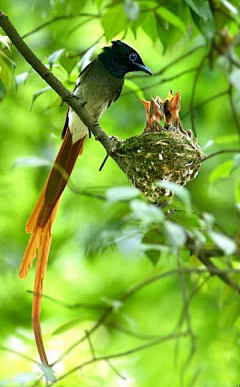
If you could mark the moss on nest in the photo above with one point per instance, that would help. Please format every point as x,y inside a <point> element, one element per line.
<point>161,153</point>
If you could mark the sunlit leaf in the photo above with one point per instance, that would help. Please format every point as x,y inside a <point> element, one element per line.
<point>55,56</point>
<point>131,8</point>
<point>5,41</point>
<point>181,192</point>
<point>146,213</point>
<point>21,78</point>
<point>31,161</point>
<point>226,244</point>
<point>229,6</point>
<point>222,171</point>
<point>114,21</point>
<point>175,233</point>
<point>208,219</point>
<point>171,18</point>
<point>38,93</point>
<point>117,194</point>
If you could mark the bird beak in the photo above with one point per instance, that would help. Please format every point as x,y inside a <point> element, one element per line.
<point>142,67</point>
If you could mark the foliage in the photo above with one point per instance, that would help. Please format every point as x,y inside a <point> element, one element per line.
<point>143,285</point>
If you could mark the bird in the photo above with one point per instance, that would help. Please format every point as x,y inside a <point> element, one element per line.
<point>97,86</point>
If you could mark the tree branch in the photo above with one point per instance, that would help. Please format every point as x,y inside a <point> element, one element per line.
<point>54,82</point>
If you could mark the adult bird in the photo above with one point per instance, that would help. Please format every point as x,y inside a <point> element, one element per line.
<point>98,85</point>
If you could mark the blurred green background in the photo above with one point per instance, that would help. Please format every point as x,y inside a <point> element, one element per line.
<point>88,263</point>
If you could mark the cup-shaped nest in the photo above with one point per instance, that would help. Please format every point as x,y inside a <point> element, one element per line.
<point>162,152</point>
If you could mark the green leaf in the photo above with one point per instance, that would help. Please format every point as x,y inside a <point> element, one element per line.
<point>117,194</point>
<point>171,18</point>
<point>230,311</point>
<point>31,161</point>
<point>226,244</point>
<point>2,90</point>
<point>5,41</point>
<point>150,27</point>
<point>133,86</point>
<point>168,35</point>
<point>205,26</point>
<point>131,8</point>
<point>38,93</point>
<point>114,21</point>
<point>199,7</point>
<point>55,56</point>
<point>181,192</point>
<point>208,220</point>
<point>176,234</point>
<point>66,327</point>
<point>21,78</point>
<point>230,7</point>
<point>146,213</point>
<point>237,193</point>
<point>222,171</point>
<point>149,241</point>
<point>55,102</point>
<point>236,162</point>
<point>135,24</point>
<point>6,71</point>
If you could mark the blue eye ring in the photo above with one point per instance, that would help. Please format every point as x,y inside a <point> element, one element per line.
<point>133,57</point>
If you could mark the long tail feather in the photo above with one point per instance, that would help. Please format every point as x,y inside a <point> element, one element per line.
<point>40,226</point>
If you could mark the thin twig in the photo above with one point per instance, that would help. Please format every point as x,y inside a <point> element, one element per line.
<point>219,153</point>
<point>59,18</point>
<point>171,64</point>
<point>188,317</point>
<point>115,370</point>
<point>206,101</point>
<point>90,344</point>
<point>2,348</point>
<point>163,80</point>
<point>80,305</point>
<point>84,337</point>
<point>131,351</point>
<point>191,107</point>
<point>214,270</point>
<point>81,53</point>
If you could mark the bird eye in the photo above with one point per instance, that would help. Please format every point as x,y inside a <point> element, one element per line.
<point>133,57</point>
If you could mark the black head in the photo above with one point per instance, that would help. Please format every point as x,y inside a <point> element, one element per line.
<point>120,59</point>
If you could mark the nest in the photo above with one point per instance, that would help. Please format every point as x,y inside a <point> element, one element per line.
<point>161,152</point>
